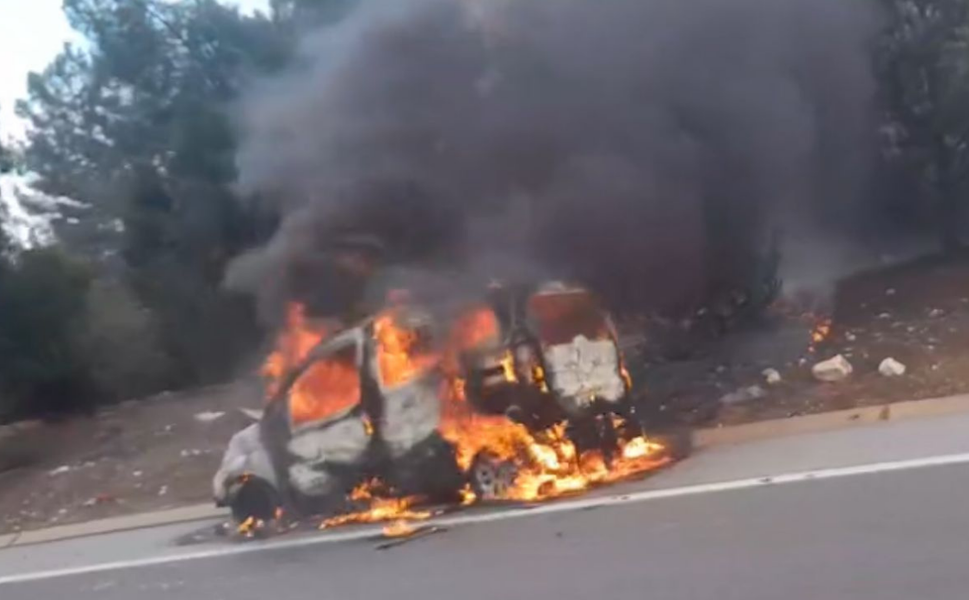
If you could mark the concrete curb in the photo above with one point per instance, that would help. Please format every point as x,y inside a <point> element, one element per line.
<point>829,421</point>
<point>703,438</point>
<point>184,514</point>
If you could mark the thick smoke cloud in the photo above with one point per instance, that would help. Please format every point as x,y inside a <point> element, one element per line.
<point>647,147</point>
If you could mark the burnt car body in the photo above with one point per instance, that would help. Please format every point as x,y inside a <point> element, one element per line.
<point>309,449</point>
<point>556,359</point>
<point>550,356</point>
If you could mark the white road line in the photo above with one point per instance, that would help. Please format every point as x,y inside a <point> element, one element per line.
<point>500,515</point>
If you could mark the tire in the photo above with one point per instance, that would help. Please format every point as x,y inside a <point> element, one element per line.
<point>430,470</point>
<point>491,478</point>
<point>256,499</point>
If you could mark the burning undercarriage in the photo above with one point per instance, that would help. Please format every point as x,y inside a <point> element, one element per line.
<point>521,396</point>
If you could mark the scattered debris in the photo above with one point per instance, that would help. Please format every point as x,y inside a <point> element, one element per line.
<point>399,528</point>
<point>99,499</point>
<point>209,416</point>
<point>832,370</point>
<point>772,376</point>
<point>190,453</point>
<point>885,315</point>
<point>891,368</point>
<point>936,313</point>
<point>742,395</point>
<point>60,470</point>
<point>890,292</point>
<point>137,474</point>
<point>253,413</point>
<point>163,490</point>
<point>850,337</point>
<point>419,533</point>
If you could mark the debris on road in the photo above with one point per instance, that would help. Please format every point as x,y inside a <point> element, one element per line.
<point>772,376</point>
<point>98,500</point>
<point>832,370</point>
<point>252,413</point>
<point>209,416</point>
<point>891,368</point>
<point>60,470</point>
<point>417,534</point>
<point>754,392</point>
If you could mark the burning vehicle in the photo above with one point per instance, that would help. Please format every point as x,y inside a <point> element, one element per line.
<point>523,395</point>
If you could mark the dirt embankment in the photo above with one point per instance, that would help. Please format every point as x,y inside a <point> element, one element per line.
<point>917,313</point>
<point>135,457</point>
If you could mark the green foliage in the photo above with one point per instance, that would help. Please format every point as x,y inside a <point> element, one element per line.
<point>138,128</point>
<point>118,340</point>
<point>42,302</point>
<point>6,159</point>
<point>922,66</point>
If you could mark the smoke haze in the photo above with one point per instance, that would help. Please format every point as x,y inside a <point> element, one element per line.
<point>649,148</point>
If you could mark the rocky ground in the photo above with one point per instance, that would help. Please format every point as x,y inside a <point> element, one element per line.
<point>138,456</point>
<point>162,452</point>
<point>917,314</point>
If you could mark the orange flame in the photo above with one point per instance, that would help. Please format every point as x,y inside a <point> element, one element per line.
<point>399,528</point>
<point>378,509</point>
<point>292,345</point>
<point>398,356</point>
<point>820,332</point>
<point>547,463</point>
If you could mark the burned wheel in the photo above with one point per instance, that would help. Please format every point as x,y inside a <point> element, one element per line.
<point>491,477</point>
<point>430,470</point>
<point>254,498</point>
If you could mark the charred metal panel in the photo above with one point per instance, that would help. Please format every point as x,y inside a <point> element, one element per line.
<point>583,371</point>
<point>411,414</point>
<point>246,455</point>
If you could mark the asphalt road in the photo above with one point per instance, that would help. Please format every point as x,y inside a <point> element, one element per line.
<point>877,533</point>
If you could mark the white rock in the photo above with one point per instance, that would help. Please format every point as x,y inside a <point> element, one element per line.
<point>850,337</point>
<point>60,470</point>
<point>936,313</point>
<point>891,368</point>
<point>163,490</point>
<point>742,395</point>
<point>771,376</point>
<point>832,370</point>
<point>209,416</point>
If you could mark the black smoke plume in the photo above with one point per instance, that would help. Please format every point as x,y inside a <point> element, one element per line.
<point>649,148</point>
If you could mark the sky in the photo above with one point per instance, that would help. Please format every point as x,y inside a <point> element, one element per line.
<point>32,32</point>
